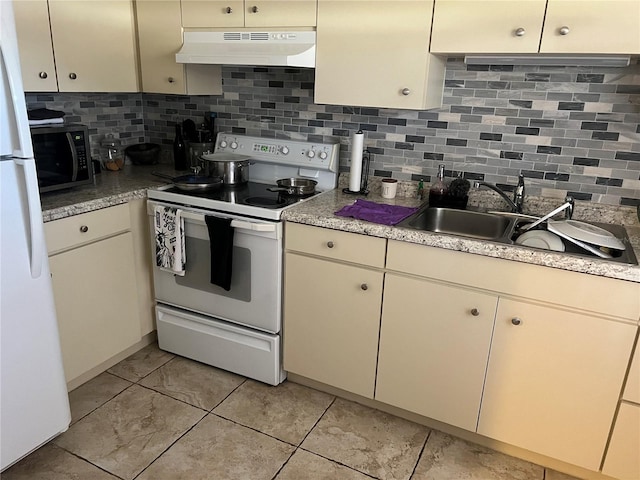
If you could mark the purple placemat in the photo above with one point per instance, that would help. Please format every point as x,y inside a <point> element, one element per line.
<point>376,212</point>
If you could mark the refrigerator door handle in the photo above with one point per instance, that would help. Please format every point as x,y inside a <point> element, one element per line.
<point>11,61</point>
<point>35,216</point>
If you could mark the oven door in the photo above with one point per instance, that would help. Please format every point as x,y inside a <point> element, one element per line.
<point>254,299</point>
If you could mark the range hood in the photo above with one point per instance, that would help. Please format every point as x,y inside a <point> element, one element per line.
<point>244,47</point>
<point>550,60</point>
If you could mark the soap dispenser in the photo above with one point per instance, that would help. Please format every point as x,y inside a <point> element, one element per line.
<point>438,189</point>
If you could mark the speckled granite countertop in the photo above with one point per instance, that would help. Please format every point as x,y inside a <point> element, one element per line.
<point>319,211</point>
<point>114,188</point>
<point>111,188</point>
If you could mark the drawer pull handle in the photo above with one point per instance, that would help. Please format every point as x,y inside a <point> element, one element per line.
<point>520,32</point>
<point>73,76</point>
<point>254,9</point>
<point>564,30</point>
<point>475,312</point>
<point>330,244</point>
<point>228,10</point>
<point>516,321</point>
<point>364,286</point>
<point>43,75</point>
<point>84,229</point>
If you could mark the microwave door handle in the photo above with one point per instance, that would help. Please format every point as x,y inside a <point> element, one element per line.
<point>74,157</point>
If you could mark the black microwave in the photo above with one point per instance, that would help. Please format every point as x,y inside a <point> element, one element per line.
<point>63,156</point>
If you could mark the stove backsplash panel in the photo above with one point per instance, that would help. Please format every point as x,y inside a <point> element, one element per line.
<point>568,129</point>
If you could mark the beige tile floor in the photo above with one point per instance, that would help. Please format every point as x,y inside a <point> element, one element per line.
<point>156,416</point>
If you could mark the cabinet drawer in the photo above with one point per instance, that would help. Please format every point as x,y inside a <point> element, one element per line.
<point>605,296</point>
<point>81,229</point>
<point>632,390</point>
<point>336,245</point>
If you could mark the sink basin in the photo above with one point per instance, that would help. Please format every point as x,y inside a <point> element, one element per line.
<point>467,223</point>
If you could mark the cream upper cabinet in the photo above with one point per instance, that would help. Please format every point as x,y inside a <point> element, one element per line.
<point>332,308</point>
<point>553,380</point>
<point>159,39</point>
<point>248,13</point>
<point>434,347</point>
<point>591,26</point>
<point>376,54</point>
<point>497,26</point>
<point>36,50</point>
<point>536,26</point>
<point>93,44</point>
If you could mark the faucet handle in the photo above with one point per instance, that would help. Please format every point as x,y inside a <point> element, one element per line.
<point>568,213</point>
<point>518,194</point>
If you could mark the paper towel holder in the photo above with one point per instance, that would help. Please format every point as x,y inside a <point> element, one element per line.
<point>364,182</point>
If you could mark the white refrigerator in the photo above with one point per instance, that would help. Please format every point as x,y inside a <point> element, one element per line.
<point>34,405</point>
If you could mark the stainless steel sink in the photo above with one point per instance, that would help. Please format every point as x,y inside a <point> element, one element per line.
<point>467,223</point>
<point>501,228</point>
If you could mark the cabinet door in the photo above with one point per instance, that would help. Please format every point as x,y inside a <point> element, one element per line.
<point>159,38</point>
<point>212,13</point>
<point>34,42</point>
<point>592,26</point>
<point>498,26</point>
<point>434,348</point>
<point>280,13</point>
<point>331,322</point>
<point>623,456</point>
<point>94,45</point>
<point>553,381</point>
<point>376,54</point>
<point>96,302</point>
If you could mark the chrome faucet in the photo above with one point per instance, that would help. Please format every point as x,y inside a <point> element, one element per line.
<point>518,193</point>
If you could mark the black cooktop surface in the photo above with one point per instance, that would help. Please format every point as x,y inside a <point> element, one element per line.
<point>250,193</point>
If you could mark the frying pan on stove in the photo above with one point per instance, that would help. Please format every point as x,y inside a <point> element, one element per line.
<point>193,182</point>
<point>295,186</point>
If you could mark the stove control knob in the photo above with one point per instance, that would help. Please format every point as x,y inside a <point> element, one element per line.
<point>311,154</point>
<point>234,145</point>
<point>223,144</point>
<point>323,155</point>
<point>284,150</point>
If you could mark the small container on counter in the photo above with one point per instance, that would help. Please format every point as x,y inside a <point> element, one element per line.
<point>112,153</point>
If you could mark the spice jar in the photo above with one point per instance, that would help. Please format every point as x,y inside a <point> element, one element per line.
<point>112,153</point>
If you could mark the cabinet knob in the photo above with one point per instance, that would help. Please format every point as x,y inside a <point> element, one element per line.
<point>406,92</point>
<point>475,312</point>
<point>228,10</point>
<point>330,244</point>
<point>520,32</point>
<point>84,229</point>
<point>171,79</point>
<point>516,321</point>
<point>73,76</point>
<point>564,30</point>
<point>364,286</point>
<point>43,75</point>
<point>254,9</point>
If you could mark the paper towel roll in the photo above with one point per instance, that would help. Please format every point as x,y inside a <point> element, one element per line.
<point>357,147</point>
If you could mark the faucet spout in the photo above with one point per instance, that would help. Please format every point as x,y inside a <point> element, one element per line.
<point>518,194</point>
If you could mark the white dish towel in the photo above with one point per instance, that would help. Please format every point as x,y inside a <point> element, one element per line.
<point>169,232</point>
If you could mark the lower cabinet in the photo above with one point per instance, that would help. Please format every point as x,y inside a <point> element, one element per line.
<point>332,318</point>
<point>623,456</point>
<point>530,356</point>
<point>434,346</point>
<point>553,381</point>
<point>93,269</point>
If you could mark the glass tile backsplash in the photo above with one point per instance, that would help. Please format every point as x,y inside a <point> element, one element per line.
<point>570,130</point>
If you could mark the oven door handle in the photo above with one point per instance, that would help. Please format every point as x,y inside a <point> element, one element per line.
<point>257,227</point>
<point>240,224</point>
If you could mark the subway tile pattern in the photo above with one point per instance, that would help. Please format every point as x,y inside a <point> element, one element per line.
<point>570,129</point>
